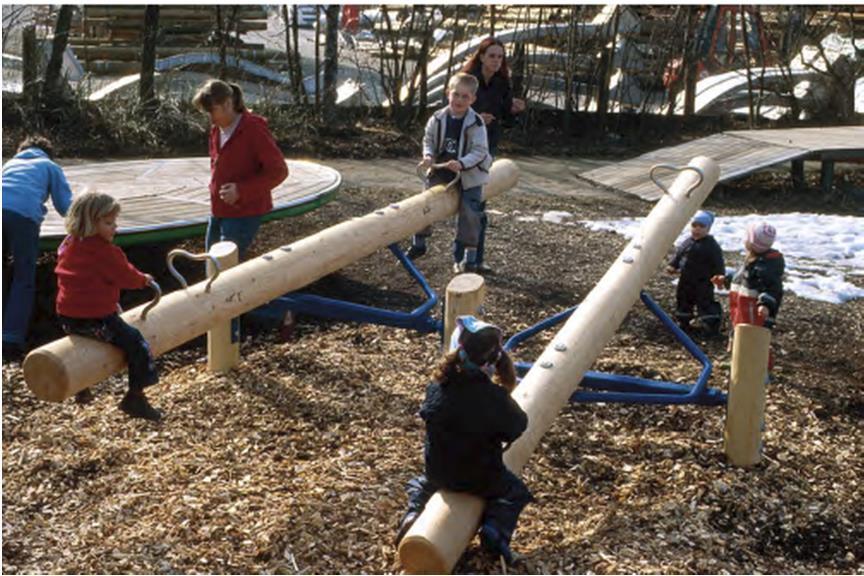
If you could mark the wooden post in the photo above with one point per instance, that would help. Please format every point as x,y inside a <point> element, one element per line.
<point>827,175</point>
<point>465,294</point>
<point>798,174</point>
<point>61,368</point>
<point>223,345</point>
<point>449,520</point>
<point>745,407</point>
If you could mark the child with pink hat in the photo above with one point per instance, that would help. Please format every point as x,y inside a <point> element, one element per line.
<point>756,288</point>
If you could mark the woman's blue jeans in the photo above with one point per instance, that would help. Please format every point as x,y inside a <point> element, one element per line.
<point>241,231</point>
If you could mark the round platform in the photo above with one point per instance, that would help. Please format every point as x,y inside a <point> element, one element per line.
<point>167,199</point>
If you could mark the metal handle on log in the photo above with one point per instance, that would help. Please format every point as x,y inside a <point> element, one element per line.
<point>425,175</point>
<point>158,290</point>
<point>674,168</point>
<point>198,258</point>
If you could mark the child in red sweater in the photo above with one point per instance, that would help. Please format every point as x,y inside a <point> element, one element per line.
<point>91,271</point>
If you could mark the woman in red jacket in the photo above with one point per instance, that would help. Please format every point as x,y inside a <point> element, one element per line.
<point>91,271</point>
<point>245,165</point>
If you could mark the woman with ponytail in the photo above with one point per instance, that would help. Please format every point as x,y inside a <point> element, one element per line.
<point>245,165</point>
<point>470,422</point>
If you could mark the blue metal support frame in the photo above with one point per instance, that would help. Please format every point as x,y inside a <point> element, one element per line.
<point>418,319</point>
<point>603,387</point>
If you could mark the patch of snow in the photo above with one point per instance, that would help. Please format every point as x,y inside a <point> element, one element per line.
<point>821,250</point>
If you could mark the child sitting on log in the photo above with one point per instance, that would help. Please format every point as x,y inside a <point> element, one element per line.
<point>470,421</point>
<point>698,259</point>
<point>91,271</point>
<point>455,138</point>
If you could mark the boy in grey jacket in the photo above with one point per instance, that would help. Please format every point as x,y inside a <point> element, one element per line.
<point>455,142</point>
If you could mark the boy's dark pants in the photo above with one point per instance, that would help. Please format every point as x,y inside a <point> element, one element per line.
<point>113,330</point>
<point>503,505</point>
<point>700,296</point>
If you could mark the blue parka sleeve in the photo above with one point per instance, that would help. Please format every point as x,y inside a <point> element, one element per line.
<point>61,193</point>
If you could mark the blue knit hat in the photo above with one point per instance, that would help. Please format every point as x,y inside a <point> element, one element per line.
<point>705,218</point>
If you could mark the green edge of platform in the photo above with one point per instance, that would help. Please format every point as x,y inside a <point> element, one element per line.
<point>182,232</point>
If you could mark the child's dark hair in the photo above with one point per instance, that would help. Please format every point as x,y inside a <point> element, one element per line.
<point>37,141</point>
<point>481,348</point>
<point>217,92</point>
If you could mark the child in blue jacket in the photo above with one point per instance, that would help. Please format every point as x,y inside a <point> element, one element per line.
<point>29,178</point>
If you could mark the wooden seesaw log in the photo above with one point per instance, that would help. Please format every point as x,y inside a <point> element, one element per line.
<point>58,370</point>
<point>442,532</point>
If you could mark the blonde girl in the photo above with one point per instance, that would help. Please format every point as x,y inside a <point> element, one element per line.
<point>91,271</point>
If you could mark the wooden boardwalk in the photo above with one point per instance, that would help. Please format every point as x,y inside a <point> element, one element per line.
<point>164,199</point>
<point>738,153</point>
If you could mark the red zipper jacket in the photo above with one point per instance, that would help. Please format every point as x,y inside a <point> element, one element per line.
<point>252,160</point>
<point>90,274</point>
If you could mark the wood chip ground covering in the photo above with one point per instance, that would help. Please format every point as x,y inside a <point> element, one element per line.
<point>296,461</point>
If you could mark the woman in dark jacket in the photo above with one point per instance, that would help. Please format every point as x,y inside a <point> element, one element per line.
<point>495,104</point>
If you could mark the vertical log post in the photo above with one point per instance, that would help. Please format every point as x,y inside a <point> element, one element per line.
<point>827,176</point>
<point>798,174</point>
<point>745,408</point>
<point>223,346</point>
<point>465,295</point>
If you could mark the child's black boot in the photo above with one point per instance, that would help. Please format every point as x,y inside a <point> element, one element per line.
<point>495,542</point>
<point>84,397</point>
<point>415,252</point>
<point>405,524</point>
<point>135,404</point>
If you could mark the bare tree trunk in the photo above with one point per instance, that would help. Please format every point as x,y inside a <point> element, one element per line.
<point>422,58</point>
<point>759,24</point>
<point>690,63</point>
<point>452,44</point>
<point>331,60</point>
<point>53,76</point>
<point>29,65</point>
<point>517,69</point>
<point>220,37</point>
<point>607,64</point>
<point>317,57</point>
<point>295,72</point>
<point>751,120</point>
<point>394,86</point>
<point>297,63</point>
<point>492,18</point>
<point>146,85</point>
<point>570,70</point>
<point>234,24</point>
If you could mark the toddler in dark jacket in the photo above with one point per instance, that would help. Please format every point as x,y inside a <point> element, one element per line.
<point>698,259</point>
<point>470,420</point>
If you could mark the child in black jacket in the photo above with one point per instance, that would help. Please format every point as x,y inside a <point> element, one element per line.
<point>698,258</point>
<point>469,422</point>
